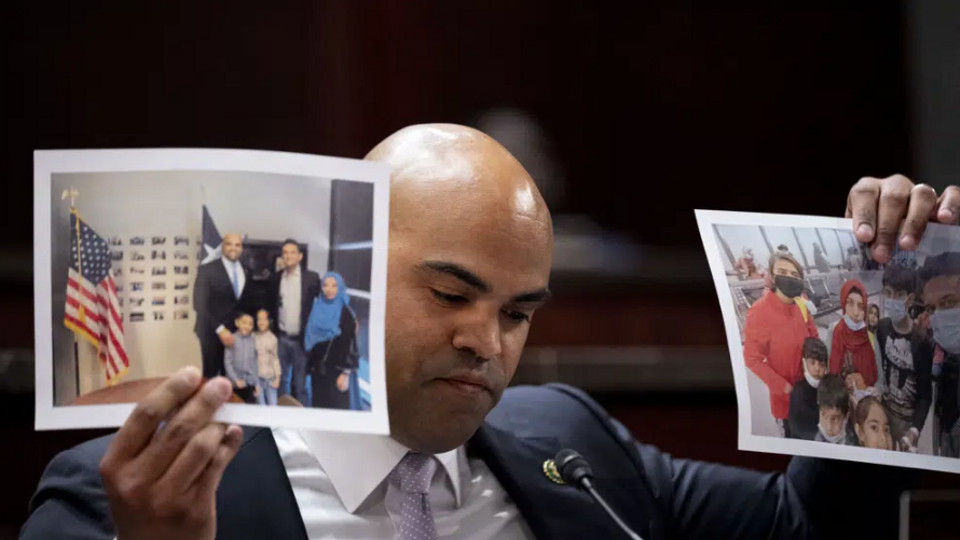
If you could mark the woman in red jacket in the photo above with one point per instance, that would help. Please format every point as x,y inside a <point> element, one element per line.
<point>775,329</point>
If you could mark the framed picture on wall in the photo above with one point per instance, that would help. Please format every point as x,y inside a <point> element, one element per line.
<point>263,257</point>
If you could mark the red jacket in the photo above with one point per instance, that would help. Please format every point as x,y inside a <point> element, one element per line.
<point>773,347</point>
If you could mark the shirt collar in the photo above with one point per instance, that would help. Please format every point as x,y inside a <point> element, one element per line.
<point>295,273</point>
<point>357,464</point>
<point>227,262</point>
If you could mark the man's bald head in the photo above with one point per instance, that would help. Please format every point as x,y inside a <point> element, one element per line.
<point>456,168</point>
<point>231,246</point>
<point>471,243</point>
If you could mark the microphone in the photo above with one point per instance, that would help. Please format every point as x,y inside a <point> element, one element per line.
<point>575,470</point>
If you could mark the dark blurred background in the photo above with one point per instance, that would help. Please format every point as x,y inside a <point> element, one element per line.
<point>629,116</point>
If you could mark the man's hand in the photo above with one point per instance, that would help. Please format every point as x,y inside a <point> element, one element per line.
<point>162,484</point>
<point>879,206</point>
<point>240,383</point>
<point>226,338</point>
<point>343,382</point>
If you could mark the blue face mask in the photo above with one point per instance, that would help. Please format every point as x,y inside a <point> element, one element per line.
<point>895,309</point>
<point>946,329</point>
<point>855,326</point>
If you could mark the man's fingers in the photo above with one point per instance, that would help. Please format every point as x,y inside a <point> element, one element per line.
<point>923,201</point>
<point>207,484</point>
<point>894,198</point>
<point>949,206</point>
<point>862,208</point>
<point>192,460</point>
<point>140,427</point>
<point>194,416</point>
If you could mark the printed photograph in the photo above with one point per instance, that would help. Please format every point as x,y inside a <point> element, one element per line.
<point>137,241</point>
<point>116,255</point>
<point>136,256</point>
<point>844,356</point>
<point>138,271</point>
<point>116,241</point>
<point>287,302</point>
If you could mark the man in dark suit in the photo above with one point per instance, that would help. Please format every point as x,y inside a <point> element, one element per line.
<point>223,289</point>
<point>469,261</point>
<point>291,293</point>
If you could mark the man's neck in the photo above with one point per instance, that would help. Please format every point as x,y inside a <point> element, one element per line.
<point>904,326</point>
<point>292,270</point>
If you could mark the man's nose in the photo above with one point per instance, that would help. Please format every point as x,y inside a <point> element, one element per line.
<point>479,333</point>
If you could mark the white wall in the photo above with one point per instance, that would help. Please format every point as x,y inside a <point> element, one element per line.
<point>169,204</point>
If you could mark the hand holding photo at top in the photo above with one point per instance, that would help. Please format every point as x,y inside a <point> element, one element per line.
<point>879,206</point>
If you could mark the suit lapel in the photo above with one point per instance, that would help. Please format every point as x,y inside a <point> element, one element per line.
<point>517,462</point>
<point>255,500</point>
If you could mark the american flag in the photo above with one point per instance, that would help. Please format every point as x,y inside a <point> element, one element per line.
<point>92,310</point>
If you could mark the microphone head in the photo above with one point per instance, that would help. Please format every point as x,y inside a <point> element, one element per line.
<point>573,467</point>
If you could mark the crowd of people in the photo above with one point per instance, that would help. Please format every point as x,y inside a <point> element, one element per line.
<point>871,381</point>
<point>293,334</point>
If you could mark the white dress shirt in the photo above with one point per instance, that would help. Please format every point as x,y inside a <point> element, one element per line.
<point>339,481</point>
<point>289,315</point>
<point>229,265</point>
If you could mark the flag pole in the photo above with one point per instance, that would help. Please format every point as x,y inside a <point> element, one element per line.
<point>73,194</point>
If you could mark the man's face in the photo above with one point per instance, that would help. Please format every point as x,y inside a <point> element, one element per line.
<point>832,420</point>
<point>942,292</point>
<point>462,288</point>
<point>785,268</point>
<point>232,246</point>
<point>291,256</point>
<point>855,307</point>
<point>815,368</point>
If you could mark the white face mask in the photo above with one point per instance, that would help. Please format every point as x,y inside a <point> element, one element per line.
<point>806,375</point>
<point>946,329</point>
<point>831,438</point>
<point>895,309</point>
<point>855,326</point>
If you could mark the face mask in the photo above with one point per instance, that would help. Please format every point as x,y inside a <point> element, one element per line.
<point>855,326</point>
<point>831,438</point>
<point>946,329</point>
<point>810,380</point>
<point>789,286</point>
<point>895,309</point>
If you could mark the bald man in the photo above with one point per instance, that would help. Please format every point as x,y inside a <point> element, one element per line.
<point>469,262</point>
<point>223,289</point>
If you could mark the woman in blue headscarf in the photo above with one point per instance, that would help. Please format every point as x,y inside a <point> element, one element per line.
<point>330,342</point>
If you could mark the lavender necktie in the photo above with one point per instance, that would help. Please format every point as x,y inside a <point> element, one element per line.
<point>412,477</point>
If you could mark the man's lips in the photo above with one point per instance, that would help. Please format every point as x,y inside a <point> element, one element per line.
<point>469,383</point>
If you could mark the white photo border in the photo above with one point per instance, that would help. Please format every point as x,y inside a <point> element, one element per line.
<point>706,219</point>
<point>50,162</point>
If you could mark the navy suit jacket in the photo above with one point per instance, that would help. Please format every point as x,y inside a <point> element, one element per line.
<point>660,497</point>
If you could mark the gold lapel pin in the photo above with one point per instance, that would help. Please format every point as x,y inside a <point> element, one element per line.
<point>551,472</point>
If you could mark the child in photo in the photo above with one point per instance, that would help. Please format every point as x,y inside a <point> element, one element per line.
<point>872,425</point>
<point>833,403</point>
<point>268,361</point>
<point>804,411</point>
<point>906,358</point>
<point>873,318</point>
<point>850,342</point>
<point>240,360</point>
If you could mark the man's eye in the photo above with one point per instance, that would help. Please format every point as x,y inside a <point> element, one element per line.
<point>450,298</point>
<point>518,316</point>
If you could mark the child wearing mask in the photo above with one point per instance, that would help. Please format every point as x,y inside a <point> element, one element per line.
<point>804,412</point>
<point>851,343</point>
<point>833,403</point>
<point>941,293</point>
<point>906,359</point>
<point>872,425</point>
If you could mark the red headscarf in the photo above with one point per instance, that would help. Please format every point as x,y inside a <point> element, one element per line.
<point>857,343</point>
